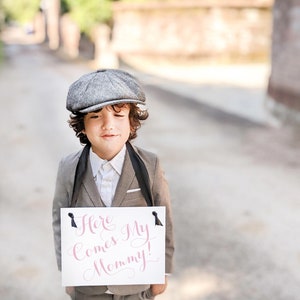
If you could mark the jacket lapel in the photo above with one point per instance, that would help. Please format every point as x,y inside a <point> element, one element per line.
<point>90,187</point>
<point>125,181</point>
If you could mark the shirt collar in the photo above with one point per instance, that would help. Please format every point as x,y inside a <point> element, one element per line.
<point>117,162</point>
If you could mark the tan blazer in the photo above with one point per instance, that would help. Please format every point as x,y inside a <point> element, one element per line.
<point>89,196</point>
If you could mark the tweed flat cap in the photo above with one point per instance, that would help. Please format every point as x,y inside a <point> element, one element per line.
<point>95,90</point>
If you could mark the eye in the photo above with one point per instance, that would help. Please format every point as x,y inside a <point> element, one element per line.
<point>94,117</point>
<point>119,115</point>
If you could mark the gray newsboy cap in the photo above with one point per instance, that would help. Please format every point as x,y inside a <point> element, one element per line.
<point>95,90</point>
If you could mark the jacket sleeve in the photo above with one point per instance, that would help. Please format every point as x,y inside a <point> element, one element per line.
<point>61,199</point>
<point>161,196</point>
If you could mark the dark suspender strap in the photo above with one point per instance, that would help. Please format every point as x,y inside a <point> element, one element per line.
<point>138,166</point>
<point>80,170</point>
<point>141,173</point>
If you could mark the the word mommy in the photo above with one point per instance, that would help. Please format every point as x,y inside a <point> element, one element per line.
<point>103,268</point>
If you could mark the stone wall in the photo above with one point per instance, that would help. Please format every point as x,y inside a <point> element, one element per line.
<point>215,30</point>
<point>284,87</point>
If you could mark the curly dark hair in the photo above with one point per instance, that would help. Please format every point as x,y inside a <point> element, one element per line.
<point>136,115</point>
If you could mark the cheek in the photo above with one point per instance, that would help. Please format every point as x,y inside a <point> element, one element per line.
<point>125,131</point>
<point>90,129</point>
<point>127,128</point>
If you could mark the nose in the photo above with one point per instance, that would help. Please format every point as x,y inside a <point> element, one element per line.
<point>107,122</point>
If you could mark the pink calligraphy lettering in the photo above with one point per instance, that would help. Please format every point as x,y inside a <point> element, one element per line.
<point>110,269</point>
<point>81,253</point>
<point>138,233</point>
<point>95,224</point>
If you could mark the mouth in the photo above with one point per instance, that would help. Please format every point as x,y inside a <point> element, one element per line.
<point>108,136</point>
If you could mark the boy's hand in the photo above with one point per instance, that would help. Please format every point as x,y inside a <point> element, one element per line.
<point>157,289</point>
<point>70,290</point>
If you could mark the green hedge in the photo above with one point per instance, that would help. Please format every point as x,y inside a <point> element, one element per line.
<point>22,11</point>
<point>87,13</point>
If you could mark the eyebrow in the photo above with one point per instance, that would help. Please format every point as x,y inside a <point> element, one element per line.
<point>96,111</point>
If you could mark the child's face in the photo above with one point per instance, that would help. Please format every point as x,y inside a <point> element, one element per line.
<point>107,130</point>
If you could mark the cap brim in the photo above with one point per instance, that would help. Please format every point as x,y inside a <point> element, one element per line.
<point>109,102</point>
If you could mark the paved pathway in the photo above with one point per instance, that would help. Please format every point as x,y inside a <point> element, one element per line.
<point>234,183</point>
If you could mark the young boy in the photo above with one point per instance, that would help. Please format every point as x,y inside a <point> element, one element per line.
<point>105,117</point>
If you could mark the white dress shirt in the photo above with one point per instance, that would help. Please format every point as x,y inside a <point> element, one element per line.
<point>107,174</point>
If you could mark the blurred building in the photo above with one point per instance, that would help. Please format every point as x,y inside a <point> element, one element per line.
<point>207,30</point>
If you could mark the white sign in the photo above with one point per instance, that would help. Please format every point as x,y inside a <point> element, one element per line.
<point>113,245</point>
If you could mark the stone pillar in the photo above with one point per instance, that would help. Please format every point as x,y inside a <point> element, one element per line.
<point>105,57</point>
<point>39,28</point>
<point>284,87</point>
<point>52,9</point>
<point>70,35</point>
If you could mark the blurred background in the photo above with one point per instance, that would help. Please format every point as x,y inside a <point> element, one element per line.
<point>222,85</point>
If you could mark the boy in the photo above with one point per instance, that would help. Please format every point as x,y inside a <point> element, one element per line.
<point>105,117</point>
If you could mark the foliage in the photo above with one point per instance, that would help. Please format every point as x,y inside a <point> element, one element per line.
<point>1,52</point>
<point>64,7</point>
<point>143,1</point>
<point>88,13</point>
<point>134,1</point>
<point>20,10</point>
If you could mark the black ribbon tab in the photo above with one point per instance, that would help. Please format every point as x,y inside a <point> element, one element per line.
<point>73,224</point>
<point>157,220</point>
